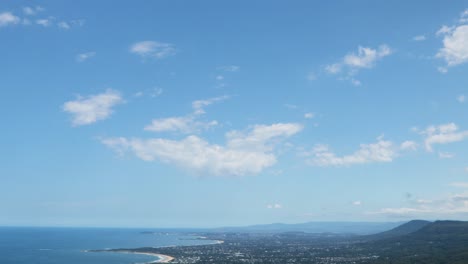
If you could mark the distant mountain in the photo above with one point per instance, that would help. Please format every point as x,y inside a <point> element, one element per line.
<point>404,229</point>
<point>438,242</point>
<point>357,228</point>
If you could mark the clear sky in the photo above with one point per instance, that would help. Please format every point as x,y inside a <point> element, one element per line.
<point>213,113</point>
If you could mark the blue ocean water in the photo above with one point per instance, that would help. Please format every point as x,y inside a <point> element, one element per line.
<point>67,245</point>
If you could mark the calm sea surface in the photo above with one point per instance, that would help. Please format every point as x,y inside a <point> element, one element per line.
<point>67,245</point>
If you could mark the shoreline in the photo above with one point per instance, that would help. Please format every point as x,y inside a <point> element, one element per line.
<point>161,257</point>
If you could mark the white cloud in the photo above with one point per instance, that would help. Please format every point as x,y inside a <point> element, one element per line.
<point>366,57</point>
<point>381,151</point>
<point>244,153</point>
<point>309,115</point>
<point>28,10</point>
<point>219,77</point>
<point>357,203</point>
<point>45,22</point>
<point>64,25</point>
<point>186,124</point>
<point>85,56</point>
<point>461,98</point>
<point>333,68</point>
<point>459,184</point>
<point>408,145</point>
<point>456,204</point>
<point>455,42</point>
<point>446,155</point>
<point>442,134</point>
<point>7,18</point>
<point>90,109</point>
<point>153,49</point>
<point>352,63</point>
<point>464,17</point>
<point>274,206</point>
<point>419,38</point>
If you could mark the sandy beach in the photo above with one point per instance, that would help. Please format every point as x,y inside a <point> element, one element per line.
<point>161,258</point>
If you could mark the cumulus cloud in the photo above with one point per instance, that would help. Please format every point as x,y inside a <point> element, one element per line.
<point>90,109</point>
<point>189,123</point>
<point>352,63</point>
<point>309,115</point>
<point>85,56</point>
<point>245,153</point>
<point>442,134</point>
<point>455,42</point>
<point>380,151</point>
<point>7,18</point>
<point>153,49</point>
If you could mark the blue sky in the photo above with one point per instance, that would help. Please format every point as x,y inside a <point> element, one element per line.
<point>214,113</point>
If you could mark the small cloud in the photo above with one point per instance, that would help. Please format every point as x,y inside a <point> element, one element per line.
<point>380,151</point>
<point>219,77</point>
<point>442,134</point>
<point>408,145</point>
<point>30,11</point>
<point>7,18</point>
<point>63,25</point>
<point>455,42</point>
<point>357,203</point>
<point>229,68</point>
<point>153,49</point>
<point>291,106</point>
<point>85,56</point>
<point>461,98</point>
<point>446,155</point>
<point>156,92</point>
<point>45,22</point>
<point>459,184</point>
<point>311,76</point>
<point>93,108</point>
<point>352,63</point>
<point>419,38</point>
<point>274,206</point>
<point>309,115</point>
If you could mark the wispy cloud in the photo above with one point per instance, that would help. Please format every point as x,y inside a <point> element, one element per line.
<point>244,153</point>
<point>153,49</point>
<point>274,206</point>
<point>32,10</point>
<point>419,38</point>
<point>189,123</point>
<point>381,151</point>
<point>90,109</point>
<point>7,18</point>
<point>442,134</point>
<point>453,204</point>
<point>229,68</point>
<point>85,56</point>
<point>461,98</point>
<point>352,63</point>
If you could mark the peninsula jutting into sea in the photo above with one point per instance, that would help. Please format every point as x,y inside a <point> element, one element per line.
<point>416,241</point>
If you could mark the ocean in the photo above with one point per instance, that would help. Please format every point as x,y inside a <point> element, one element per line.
<point>21,245</point>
